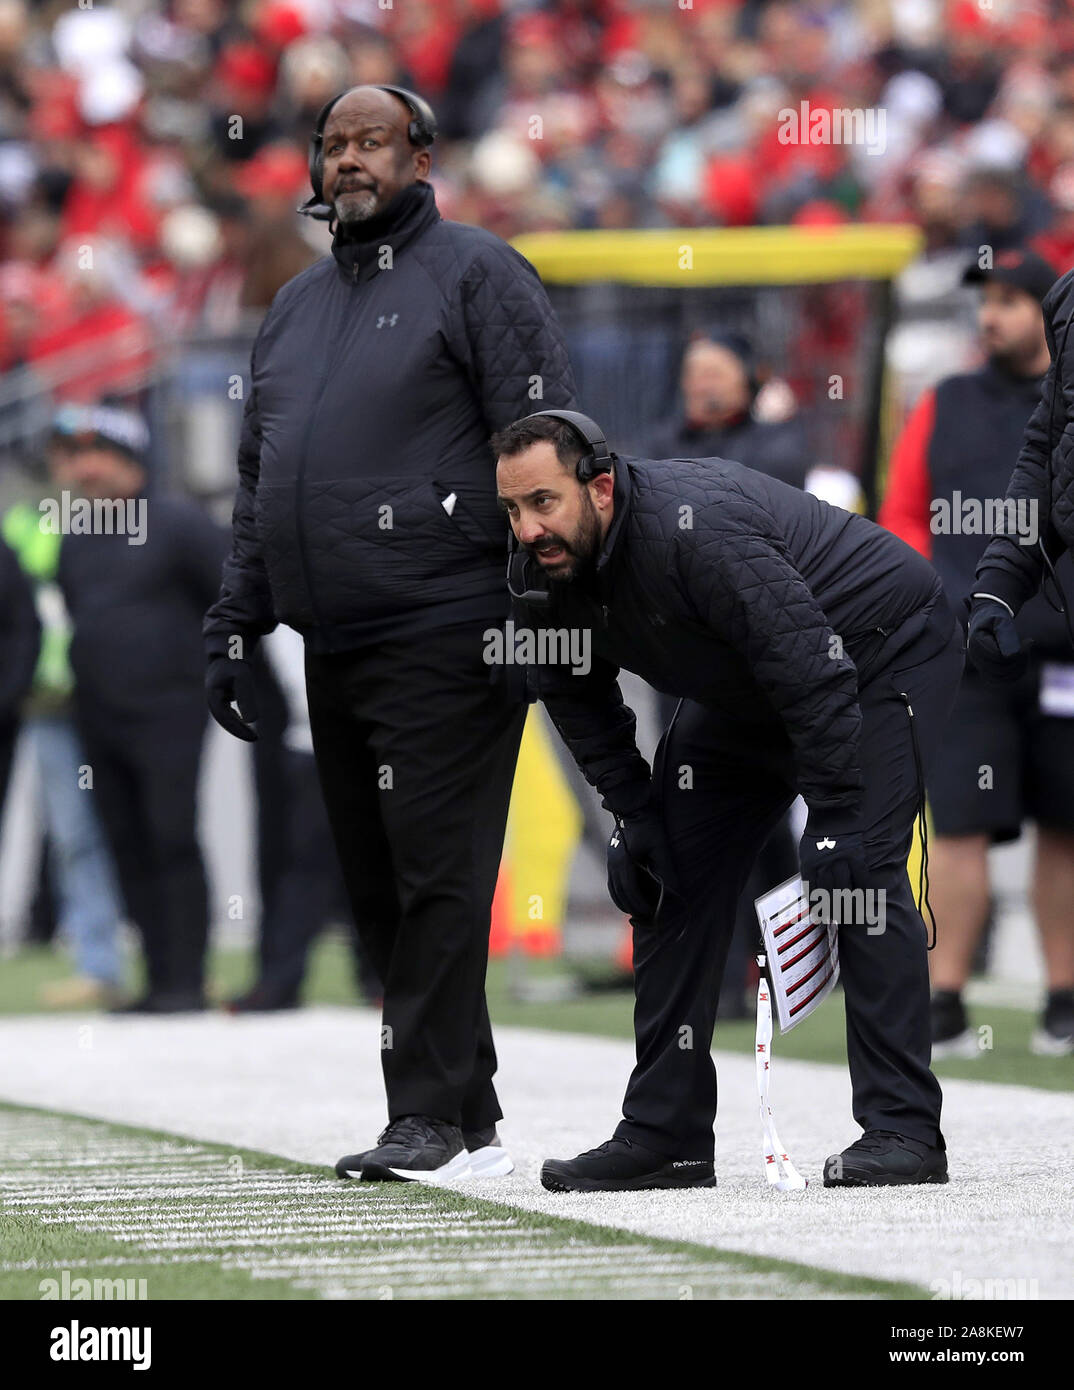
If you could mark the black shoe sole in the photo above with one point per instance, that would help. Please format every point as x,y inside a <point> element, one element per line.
<point>648,1182</point>
<point>349,1169</point>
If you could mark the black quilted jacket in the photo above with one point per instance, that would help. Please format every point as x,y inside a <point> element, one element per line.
<point>730,588</point>
<point>366,503</point>
<point>1007,569</point>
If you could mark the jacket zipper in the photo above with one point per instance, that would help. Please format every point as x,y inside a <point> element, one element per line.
<point>300,476</point>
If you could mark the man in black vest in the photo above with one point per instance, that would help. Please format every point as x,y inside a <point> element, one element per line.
<point>1008,755</point>
<point>366,519</point>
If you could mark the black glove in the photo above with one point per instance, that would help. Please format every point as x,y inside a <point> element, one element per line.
<point>230,682</point>
<point>994,645</point>
<point>832,858</point>
<point>641,876</point>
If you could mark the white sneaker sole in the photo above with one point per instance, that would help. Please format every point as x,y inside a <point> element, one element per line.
<point>1045,1044</point>
<point>490,1162</point>
<point>455,1170</point>
<point>963,1046</point>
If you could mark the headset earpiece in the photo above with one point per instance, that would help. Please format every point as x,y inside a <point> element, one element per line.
<point>597,458</point>
<point>421,131</point>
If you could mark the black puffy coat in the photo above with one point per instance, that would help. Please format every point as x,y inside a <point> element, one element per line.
<point>1007,569</point>
<point>729,588</point>
<point>367,503</point>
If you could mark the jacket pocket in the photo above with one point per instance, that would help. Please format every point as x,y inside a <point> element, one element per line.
<point>384,543</point>
<point>474,514</point>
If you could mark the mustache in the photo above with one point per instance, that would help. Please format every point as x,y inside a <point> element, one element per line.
<point>548,543</point>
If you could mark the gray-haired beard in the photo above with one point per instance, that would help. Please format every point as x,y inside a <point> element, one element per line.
<point>356,206</point>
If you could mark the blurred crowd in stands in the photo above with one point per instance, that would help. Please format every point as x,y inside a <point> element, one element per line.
<point>170,138</point>
<point>152,156</point>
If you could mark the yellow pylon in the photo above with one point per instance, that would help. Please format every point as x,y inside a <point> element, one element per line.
<point>543,828</point>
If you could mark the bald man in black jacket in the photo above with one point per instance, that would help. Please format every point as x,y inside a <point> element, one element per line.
<point>366,519</point>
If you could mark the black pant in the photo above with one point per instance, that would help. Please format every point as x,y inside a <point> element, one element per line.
<point>145,781</point>
<point>416,750</point>
<point>741,786</point>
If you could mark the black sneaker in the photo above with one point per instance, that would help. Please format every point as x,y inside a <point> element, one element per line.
<point>414,1148</point>
<point>1055,1035</point>
<point>952,1035</point>
<point>488,1157</point>
<point>882,1158</point>
<point>619,1165</point>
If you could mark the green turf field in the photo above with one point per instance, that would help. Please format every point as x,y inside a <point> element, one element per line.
<point>819,1039</point>
<point>88,1201</point>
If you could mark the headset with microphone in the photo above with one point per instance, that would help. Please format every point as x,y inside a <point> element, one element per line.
<point>597,458</point>
<point>421,132</point>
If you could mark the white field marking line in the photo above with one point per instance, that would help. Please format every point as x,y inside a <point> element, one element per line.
<point>334,1266</point>
<point>488,1264</point>
<point>534,1257</point>
<point>48,1182</point>
<point>221,1229</point>
<point>247,1242</point>
<point>445,1260</point>
<point>290,1086</point>
<point>249,1213</point>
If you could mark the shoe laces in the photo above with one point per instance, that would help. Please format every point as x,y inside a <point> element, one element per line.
<point>404,1128</point>
<point>875,1141</point>
<point>614,1142</point>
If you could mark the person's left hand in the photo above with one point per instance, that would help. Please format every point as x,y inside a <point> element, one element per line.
<point>832,859</point>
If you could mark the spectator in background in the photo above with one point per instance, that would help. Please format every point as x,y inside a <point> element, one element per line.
<point>276,251</point>
<point>20,635</point>
<point>468,104</point>
<point>720,385</point>
<point>80,869</point>
<point>1008,753</point>
<point>98,345</point>
<point>650,115</point>
<point>136,592</point>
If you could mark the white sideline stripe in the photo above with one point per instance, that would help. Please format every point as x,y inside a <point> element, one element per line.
<point>522,1259</point>
<point>294,1085</point>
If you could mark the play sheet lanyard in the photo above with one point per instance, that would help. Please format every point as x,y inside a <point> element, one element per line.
<point>779,1170</point>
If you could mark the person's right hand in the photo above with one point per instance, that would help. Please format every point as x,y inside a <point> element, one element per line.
<point>640,870</point>
<point>994,645</point>
<point>231,682</point>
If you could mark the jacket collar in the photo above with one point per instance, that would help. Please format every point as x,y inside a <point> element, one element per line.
<point>358,249</point>
<point>622,495</point>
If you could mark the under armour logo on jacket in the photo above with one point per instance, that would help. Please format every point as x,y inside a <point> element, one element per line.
<point>826,843</point>
<point>384,319</point>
